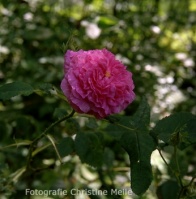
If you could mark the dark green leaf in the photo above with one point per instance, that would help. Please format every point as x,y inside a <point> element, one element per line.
<point>191,129</point>
<point>141,176</point>
<point>188,135</point>
<point>141,118</point>
<point>129,143</point>
<point>65,146</point>
<point>92,124</point>
<point>108,157</point>
<point>139,121</point>
<point>176,129</point>
<point>89,148</point>
<point>71,126</point>
<point>59,113</point>
<point>139,146</point>
<point>44,88</point>
<point>10,90</point>
<point>133,135</point>
<point>114,132</point>
<point>168,189</point>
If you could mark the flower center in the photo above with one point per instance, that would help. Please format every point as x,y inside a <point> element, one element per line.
<point>107,74</point>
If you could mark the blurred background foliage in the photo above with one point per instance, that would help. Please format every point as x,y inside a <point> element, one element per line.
<point>155,39</point>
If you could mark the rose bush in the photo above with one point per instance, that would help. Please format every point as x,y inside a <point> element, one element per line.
<point>96,83</point>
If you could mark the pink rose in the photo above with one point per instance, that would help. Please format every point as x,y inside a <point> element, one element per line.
<point>96,83</point>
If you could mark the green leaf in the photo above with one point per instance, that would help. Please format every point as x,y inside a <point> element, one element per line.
<point>191,129</point>
<point>92,123</point>
<point>10,90</point>
<point>129,143</point>
<point>132,132</point>
<point>141,118</point>
<point>108,157</point>
<point>43,88</point>
<point>168,189</point>
<point>114,132</point>
<point>59,113</point>
<point>71,126</point>
<point>188,135</point>
<point>65,146</point>
<point>89,148</point>
<point>139,146</point>
<point>177,129</point>
<point>141,177</point>
<point>139,121</point>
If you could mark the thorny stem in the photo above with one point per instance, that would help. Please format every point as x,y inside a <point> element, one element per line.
<point>32,145</point>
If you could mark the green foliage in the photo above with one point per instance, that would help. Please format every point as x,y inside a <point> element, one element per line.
<point>139,145</point>
<point>177,129</point>
<point>169,189</point>
<point>44,88</point>
<point>88,146</point>
<point>10,90</point>
<point>139,148</point>
<point>141,119</point>
<point>132,133</point>
<point>59,113</point>
<point>66,146</point>
<point>155,40</point>
<point>191,129</point>
<point>108,157</point>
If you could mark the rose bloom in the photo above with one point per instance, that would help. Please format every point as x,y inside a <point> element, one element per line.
<point>96,83</point>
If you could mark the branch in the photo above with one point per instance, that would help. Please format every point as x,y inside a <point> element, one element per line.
<point>32,145</point>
